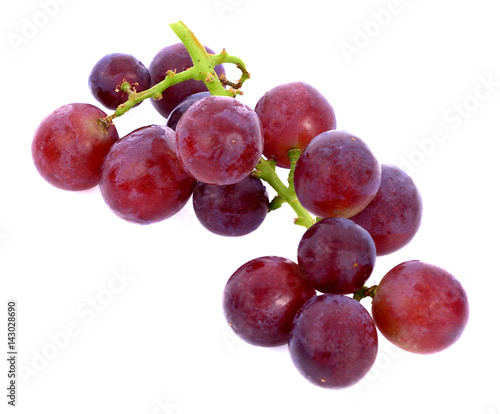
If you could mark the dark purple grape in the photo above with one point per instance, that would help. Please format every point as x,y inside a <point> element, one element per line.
<point>420,308</point>
<point>219,140</point>
<point>262,297</point>
<point>70,144</point>
<point>142,180</point>
<point>337,175</point>
<point>393,217</point>
<point>333,341</point>
<point>175,58</point>
<point>337,255</point>
<point>110,72</point>
<point>231,210</point>
<point>179,110</point>
<point>292,114</point>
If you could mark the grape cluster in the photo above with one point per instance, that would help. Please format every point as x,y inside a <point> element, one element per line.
<point>220,152</point>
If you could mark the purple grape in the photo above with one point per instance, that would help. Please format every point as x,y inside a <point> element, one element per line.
<point>420,308</point>
<point>262,297</point>
<point>70,144</point>
<point>175,58</point>
<point>142,180</point>
<point>110,72</point>
<point>337,255</point>
<point>292,114</point>
<point>231,210</point>
<point>219,140</point>
<point>393,217</point>
<point>333,341</point>
<point>337,175</point>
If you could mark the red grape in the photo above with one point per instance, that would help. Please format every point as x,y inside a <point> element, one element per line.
<point>292,114</point>
<point>219,140</point>
<point>337,175</point>
<point>262,297</point>
<point>175,58</point>
<point>110,72</point>
<point>142,179</point>
<point>231,210</point>
<point>70,144</point>
<point>337,255</point>
<point>420,307</point>
<point>393,217</point>
<point>333,342</point>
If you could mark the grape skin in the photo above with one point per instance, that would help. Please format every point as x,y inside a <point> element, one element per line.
<point>70,144</point>
<point>262,297</point>
<point>231,210</point>
<point>175,58</point>
<point>337,255</point>
<point>219,140</point>
<point>393,217</point>
<point>142,180</point>
<point>420,308</point>
<point>333,342</point>
<point>110,72</point>
<point>337,175</point>
<point>292,114</point>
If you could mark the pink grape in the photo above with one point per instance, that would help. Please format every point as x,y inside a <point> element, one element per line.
<point>292,114</point>
<point>333,342</point>
<point>219,140</point>
<point>337,175</point>
<point>70,144</point>
<point>420,307</point>
<point>393,217</point>
<point>262,297</point>
<point>337,255</point>
<point>142,180</point>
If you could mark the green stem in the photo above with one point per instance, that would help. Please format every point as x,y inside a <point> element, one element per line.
<point>154,92</point>
<point>203,69</point>
<point>223,57</point>
<point>266,170</point>
<point>365,292</point>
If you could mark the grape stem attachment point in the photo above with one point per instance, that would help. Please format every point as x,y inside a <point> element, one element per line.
<point>203,69</point>
<point>266,171</point>
<point>365,292</point>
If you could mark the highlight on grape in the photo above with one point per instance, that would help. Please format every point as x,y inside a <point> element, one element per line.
<point>223,156</point>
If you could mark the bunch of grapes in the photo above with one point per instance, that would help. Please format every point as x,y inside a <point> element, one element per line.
<point>220,152</point>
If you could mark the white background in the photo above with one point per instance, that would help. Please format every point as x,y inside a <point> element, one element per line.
<point>405,76</point>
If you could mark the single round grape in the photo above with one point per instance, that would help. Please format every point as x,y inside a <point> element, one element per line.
<point>231,210</point>
<point>393,217</point>
<point>110,72</point>
<point>337,255</point>
<point>142,180</point>
<point>70,144</point>
<point>219,140</point>
<point>420,308</point>
<point>292,114</point>
<point>337,175</point>
<point>333,342</point>
<point>175,58</point>
<point>179,110</point>
<point>262,297</point>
